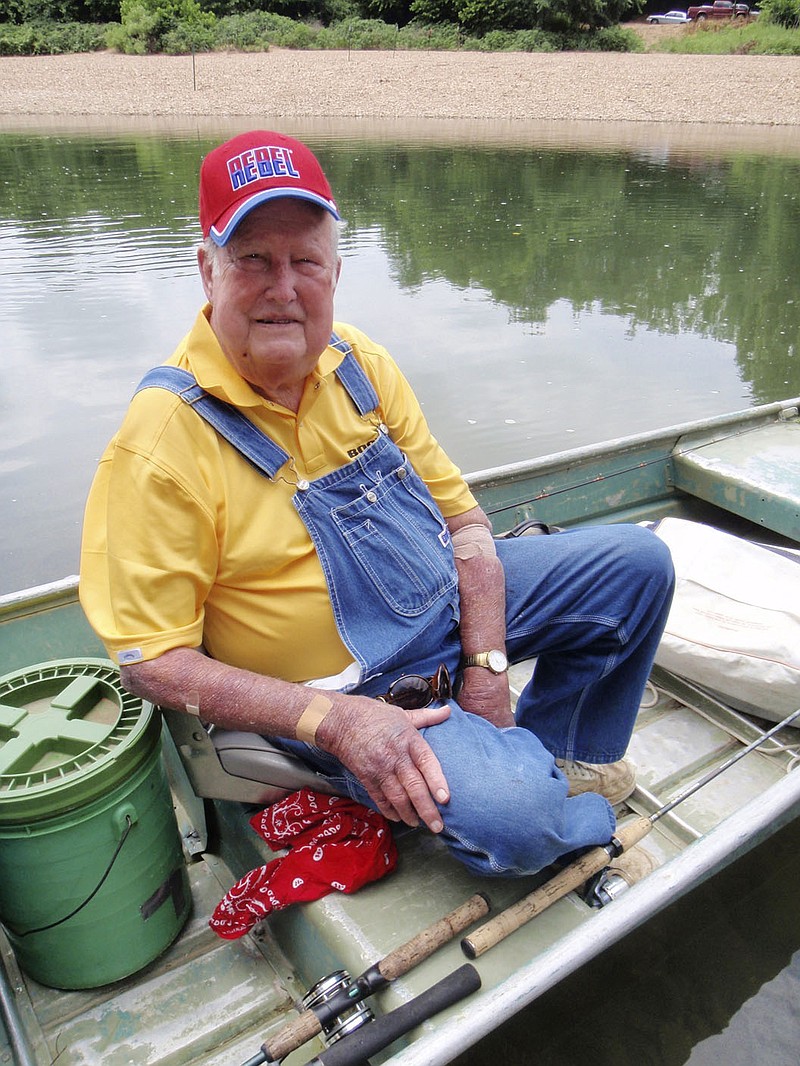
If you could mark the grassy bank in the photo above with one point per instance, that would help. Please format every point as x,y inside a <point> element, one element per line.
<point>755,37</point>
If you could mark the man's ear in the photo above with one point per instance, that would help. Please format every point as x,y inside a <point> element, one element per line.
<point>205,265</point>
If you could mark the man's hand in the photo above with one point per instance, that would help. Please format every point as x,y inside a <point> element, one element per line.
<point>487,695</point>
<point>381,745</point>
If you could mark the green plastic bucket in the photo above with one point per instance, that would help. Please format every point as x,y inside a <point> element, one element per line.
<point>93,885</point>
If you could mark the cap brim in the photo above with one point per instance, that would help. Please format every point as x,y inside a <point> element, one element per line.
<point>225,226</point>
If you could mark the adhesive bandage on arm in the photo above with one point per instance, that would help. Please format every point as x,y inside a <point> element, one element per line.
<point>309,720</point>
<point>473,540</point>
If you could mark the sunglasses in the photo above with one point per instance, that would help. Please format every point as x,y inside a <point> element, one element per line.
<point>412,691</point>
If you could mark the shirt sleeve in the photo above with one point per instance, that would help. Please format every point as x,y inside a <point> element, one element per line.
<point>149,550</point>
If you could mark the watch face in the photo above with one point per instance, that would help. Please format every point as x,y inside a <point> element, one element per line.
<point>497,662</point>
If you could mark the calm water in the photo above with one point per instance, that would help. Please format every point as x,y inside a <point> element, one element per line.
<point>542,288</point>
<point>538,294</point>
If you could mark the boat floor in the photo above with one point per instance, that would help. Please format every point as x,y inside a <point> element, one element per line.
<point>214,1002</point>
<point>203,1001</point>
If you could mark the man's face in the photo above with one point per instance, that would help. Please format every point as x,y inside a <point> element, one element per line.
<point>271,290</point>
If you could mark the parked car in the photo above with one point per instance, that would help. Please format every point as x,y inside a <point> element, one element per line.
<point>670,18</point>
<point>719,9</point>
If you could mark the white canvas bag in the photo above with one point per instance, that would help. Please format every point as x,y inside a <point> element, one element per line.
<point>734,625</point>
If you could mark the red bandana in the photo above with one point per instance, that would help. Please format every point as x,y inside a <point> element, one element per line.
<point>334,843</point>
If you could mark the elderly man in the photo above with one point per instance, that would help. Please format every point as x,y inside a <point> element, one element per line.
<point>275,542</point>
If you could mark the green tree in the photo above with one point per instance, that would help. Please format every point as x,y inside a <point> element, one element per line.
<point>782,12</point>
<point>147,24</point>
<point>325,11</point>
<point>565,16</point>
<point>571,15</point>
<point>19,12</point>
<point>479,16</point>
<point>435,10</point>
<point>391,11</point>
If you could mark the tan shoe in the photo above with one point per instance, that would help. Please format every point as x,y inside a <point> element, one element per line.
<point>614,780</point>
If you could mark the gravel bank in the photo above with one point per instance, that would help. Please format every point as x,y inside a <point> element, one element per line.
<point>574,87</point>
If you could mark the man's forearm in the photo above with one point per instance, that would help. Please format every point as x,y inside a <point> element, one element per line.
<point>481,585</point>
<point>379,743</point>
<point>187,680</point>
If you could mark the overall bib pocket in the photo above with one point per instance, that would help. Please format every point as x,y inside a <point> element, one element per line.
<point>397,537</point>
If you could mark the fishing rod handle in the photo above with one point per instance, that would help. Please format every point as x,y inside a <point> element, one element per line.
<point>571,877</point>
<point>375,1036</point>
<point>301,1029</point>
<point>292,1036</point>
<point>420,947</point>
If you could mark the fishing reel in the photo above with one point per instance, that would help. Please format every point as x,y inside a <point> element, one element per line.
<point>334,1007</point>
<point>331,999</point>
<point>350,1039</point>
<point>604,888</point>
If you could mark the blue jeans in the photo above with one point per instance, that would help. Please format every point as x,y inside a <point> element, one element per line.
<point>590,605</point>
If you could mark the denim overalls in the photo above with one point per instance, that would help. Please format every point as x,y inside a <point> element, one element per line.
<point>380,538</point>
<point>386,554</point>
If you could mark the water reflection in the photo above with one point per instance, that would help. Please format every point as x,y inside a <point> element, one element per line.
<point>540,292</point>
<point>538,295</point>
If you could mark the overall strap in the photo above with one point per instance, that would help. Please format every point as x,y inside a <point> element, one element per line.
<point>228,421</point>
<point>238,430</point>
<point>352,376</point>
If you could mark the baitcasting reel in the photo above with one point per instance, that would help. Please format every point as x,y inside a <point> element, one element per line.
<point>346,1017</point>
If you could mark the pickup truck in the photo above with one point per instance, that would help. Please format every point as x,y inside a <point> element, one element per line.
<point>719,9</point>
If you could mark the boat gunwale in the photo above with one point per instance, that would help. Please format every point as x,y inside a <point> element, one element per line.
<point>751,415</point>
<point>44,596</point>
<point>51,594</point>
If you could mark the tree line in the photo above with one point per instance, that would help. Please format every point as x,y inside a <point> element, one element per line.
<point>181,26</point>
<point>200,16</point>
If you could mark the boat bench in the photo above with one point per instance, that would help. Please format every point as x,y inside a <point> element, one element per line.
<point>754,474</point>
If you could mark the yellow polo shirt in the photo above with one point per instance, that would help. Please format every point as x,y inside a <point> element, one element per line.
<point>185,543</point>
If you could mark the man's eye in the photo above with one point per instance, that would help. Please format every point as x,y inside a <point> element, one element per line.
<point>253,262</point>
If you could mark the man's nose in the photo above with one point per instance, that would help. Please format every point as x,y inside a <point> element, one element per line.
<point>280,282</point>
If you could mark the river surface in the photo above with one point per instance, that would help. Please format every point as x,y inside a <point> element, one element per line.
<point>542,287</point>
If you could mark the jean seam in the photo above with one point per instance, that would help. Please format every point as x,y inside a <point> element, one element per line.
<point>500,870</point>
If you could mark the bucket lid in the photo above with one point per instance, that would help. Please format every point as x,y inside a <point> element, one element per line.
<point>69,732</point>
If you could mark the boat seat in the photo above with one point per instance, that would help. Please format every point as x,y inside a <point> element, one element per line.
<point>227,764</point>
<point>752,473</point>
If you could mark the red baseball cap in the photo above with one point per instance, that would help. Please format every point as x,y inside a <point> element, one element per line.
<point>252,168</point>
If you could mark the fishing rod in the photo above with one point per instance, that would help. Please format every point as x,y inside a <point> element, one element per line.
<point>593,862</point>
<point>346,994</point>
<point>354,1049</point>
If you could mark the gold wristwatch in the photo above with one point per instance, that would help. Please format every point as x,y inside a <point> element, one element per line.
<point>495,661</point>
